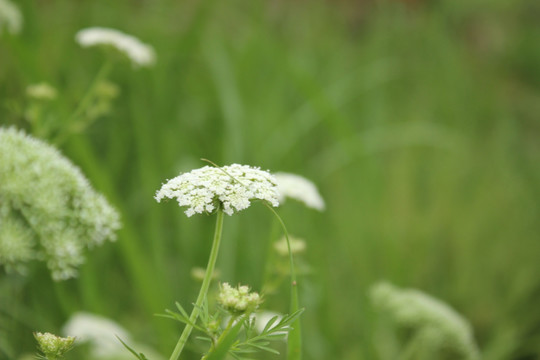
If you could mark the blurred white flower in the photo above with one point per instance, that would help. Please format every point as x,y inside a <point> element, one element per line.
<point>437,323</point>
<point>198,273</point>
<point>16,243</point>
<point>102,335</point>
<point>41,91</point>
<point>139,53</point>
<point>297,246</point>
<point>48,210</point>
<point>299,188</point>
<point>204,189</point>
<point>10,17</point>
<point>99,331</point>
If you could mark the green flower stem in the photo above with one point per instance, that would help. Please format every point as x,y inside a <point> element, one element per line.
<point>269,260</point>
<point>83,105</point>
<point>204,287</point>
<point>294,347</point>
<point>221,337</point>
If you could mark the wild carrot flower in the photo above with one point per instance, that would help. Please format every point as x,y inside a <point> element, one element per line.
<point>137,52</point>
<point>437,324</point>
<point>232,187</point>
<point>299,188</point>
<point>52,346</point>
<point>48,210</point>
<point>238,300</point>
<point>10,17</point>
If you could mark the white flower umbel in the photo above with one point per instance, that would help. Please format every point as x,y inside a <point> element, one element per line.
<point>101,335</point>
<point>299,188</point>
<point>48,210</point>
<point>232,187</point>
<point>139,53</point>
<point>435,323</point>
<point>10,17</point>
<point>221,190</point>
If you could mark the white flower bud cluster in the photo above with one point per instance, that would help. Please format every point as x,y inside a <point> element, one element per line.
<point>48,210</point>
<point>10,17</point>
<point>299,188</point>
<point>440,326</point>
<point>54,347</point>
<point>138,53</point>
<point>204,189</point>
<point>238,300</point>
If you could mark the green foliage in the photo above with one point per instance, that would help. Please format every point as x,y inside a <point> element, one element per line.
<point>139,356</point>
<point>418,123</point>
<point>239,338</point>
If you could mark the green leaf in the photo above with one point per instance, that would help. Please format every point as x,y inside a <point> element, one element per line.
<point>181,309</point>
<point>203,338</point>
<point>139,356</point>
<point>224,345</point>
<point>266,348</point>
<point>270,323</point>
<point>181,318</point>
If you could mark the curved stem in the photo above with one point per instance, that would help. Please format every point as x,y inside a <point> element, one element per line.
<point>294,347</point>
<point>204,287</point>
<point>85,102</point>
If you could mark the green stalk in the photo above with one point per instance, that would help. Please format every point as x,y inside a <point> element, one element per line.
<point>221,337</point>
<point>294,347</point>
<point>84,103</point>
<point>204,287</point>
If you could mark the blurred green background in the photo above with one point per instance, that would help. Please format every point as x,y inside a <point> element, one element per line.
<point>418,120</point>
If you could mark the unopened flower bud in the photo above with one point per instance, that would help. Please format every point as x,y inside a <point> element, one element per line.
<point>52,346</point>
<point>238,300</point>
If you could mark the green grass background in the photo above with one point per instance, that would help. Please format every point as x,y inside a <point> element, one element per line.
<point>418,121</point>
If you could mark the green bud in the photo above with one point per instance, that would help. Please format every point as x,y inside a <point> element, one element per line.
<point>52,346</point>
